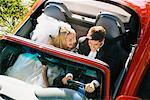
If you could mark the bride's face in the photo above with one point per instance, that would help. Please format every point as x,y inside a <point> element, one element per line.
<point>71,40</point>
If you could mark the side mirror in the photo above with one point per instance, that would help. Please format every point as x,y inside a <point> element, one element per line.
<point>124,97</point>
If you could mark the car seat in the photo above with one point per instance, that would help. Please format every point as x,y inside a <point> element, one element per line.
<point>113,52</point>
<point>54,16</point>
<point>56,10</point>
<point>113,25</point>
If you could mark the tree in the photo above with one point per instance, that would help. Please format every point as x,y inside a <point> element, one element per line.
<point>11,12</point>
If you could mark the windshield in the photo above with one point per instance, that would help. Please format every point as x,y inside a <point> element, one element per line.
<point>59,68</point>
<point>25,64</point>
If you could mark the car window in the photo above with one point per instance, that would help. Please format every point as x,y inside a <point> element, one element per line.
<point>60,66</point>
<point>81,73</point>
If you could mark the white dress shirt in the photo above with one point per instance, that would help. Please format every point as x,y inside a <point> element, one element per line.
<point>92,54</point>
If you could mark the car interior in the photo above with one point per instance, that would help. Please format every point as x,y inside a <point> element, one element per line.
<point>11,51</point>
<point>120,38</point>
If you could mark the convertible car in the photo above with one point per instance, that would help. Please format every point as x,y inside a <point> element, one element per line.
<point>127,24</point>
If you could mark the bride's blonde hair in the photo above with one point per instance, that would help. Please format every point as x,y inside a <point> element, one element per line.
<point>60,40</point>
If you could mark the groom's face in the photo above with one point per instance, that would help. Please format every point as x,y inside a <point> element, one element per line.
<point>95,43</point>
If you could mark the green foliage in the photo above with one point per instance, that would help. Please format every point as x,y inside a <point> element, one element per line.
<point>11,12</point>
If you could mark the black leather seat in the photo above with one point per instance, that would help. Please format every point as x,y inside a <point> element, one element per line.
<point>113,52</point>
<point>57,10</point>
<point>113,25</point>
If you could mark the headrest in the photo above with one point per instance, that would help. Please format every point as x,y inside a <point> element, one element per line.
<point>52,1</point>
<point>113,25</point>
<point>55,12</point>
<point>56,9</point>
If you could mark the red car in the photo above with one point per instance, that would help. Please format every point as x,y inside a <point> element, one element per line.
<point>127,23</point>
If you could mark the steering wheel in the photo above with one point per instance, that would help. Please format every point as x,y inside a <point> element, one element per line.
<point>76,85</point>
<point>80,88</point>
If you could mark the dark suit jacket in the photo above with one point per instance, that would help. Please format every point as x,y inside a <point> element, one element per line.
<point>112,54</point>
